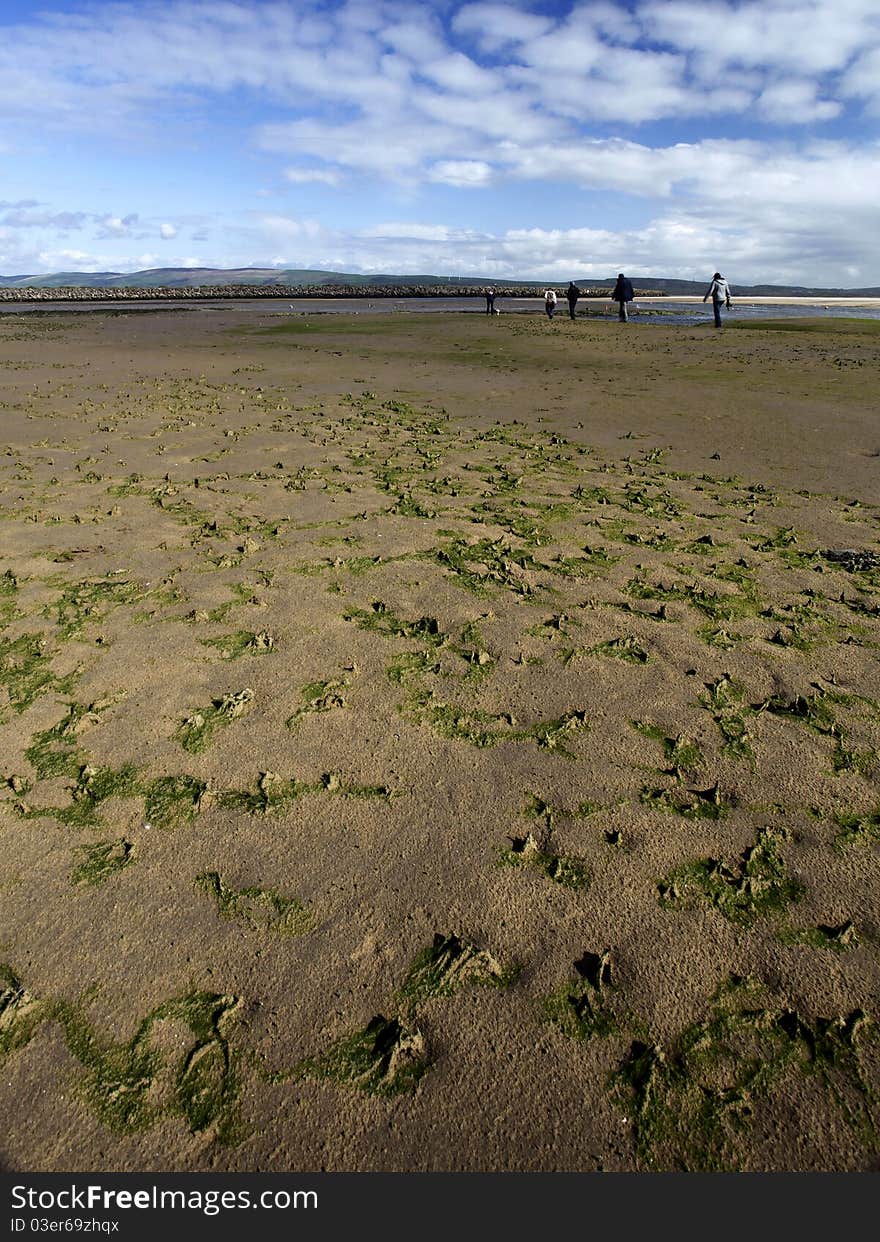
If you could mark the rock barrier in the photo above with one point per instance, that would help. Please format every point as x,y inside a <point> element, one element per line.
<point>204,293</point>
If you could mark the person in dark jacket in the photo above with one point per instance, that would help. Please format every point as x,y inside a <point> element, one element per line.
<point>490,301</point>
<point>621,294</point>
<point>572,293</point>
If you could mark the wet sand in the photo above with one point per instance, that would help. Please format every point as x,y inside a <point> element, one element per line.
<point>438,743</point>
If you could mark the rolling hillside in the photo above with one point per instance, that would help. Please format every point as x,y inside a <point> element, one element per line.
<point>193,277</point>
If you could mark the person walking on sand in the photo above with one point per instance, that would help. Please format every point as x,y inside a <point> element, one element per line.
<point>621,294</point>
<point>718,291</point>
<point>549,302</point>
<point>490,301</point>
<point>572,293</point>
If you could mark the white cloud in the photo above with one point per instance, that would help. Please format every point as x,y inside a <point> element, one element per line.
<point>115,226</point>
<point>798,36</point>
<point>305,176</point>
<point>461,172</point>
<point>408,231</point>
<point>796,98</point>
<point>26,218</point>
<point>497,26</point>
<point>862,80</point>
<point>104,66</point>
<point>457,72</point>
<point>286,227</point>
<point>464,95</point>
<point>68,260</point>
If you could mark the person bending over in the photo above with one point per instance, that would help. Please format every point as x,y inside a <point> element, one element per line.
<point>549,302</point>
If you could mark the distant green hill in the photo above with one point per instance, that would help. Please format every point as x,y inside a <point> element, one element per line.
<point>193,277</point>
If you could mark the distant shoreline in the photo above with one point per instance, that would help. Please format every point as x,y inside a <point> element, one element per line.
<point>231,292</point>
<point>315,293</point>
<point>227,293</point>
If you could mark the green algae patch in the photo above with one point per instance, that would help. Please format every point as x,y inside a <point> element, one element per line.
<point>471,647</point>
<point>855,829</point>
<point>132,1085</point>
<point>102,860</point>
<point>318,697</point>
<point>814,710</point>
<point>595,563</point>
<point>241,643</point>
<point>723,606</point>
<point>91,600</point>
<point>20,1012</point>
<point>173,801</point>
<point>708,803</point>
<point>582,1009</point>
<point>94,786</point>
<point>719,636</point>
<point>486,566</point>
<point>263,909</point>
<point>752,887</point>
<point>9,584</point>
<point>450,963</point>
<point>725,699</point>
<point>841,325</point>
<point>195,731</point>
<point>680,753</point>
<point>482,729</point>
<point>380,619</point>
<point>129,487</point>
<point>91,787</point>
<point>560,868</point>
<point>274,792</point>
<point>26,671</point>
<point>549,734</point>
<point>54,751</point>
<point>627,649</point>
<point>693,1099</point>
<point>385,1058</point>
<point>410,666</point>
<point>837,937</point>
<point>817,712</point>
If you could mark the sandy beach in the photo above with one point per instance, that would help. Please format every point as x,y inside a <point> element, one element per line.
<point>438,743</point>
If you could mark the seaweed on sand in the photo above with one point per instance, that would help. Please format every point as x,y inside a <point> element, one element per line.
<point>195,732</point>
<point>754,885</point>
<point>691,1098</point>
<point>448,964</point>
<point>386,1057</point>
<point>263,909</point>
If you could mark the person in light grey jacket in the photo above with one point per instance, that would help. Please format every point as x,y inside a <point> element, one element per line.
<point>718,291</point>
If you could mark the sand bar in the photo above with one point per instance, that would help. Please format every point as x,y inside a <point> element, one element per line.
<point>438,743</point>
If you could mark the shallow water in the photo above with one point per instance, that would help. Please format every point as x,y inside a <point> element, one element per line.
<point>671,311</point>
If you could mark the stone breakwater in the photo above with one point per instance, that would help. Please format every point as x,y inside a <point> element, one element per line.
<point>202,293</point>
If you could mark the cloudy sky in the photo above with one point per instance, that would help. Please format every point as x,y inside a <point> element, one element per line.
<point>545,140</point>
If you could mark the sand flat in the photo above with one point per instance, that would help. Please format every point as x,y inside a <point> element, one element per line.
<point>438,743</point>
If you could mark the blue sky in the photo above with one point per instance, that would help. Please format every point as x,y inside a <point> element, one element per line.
<point>665,137</point>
